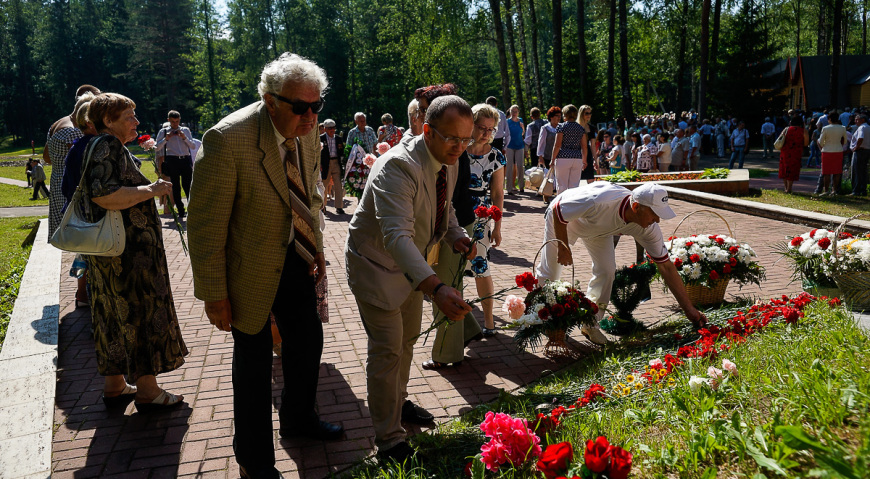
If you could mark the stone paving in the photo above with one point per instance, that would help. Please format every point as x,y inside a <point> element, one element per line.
<point>196,440</point>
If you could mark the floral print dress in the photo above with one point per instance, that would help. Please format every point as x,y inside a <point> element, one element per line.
<point>482,169</point>
<point>136,331</point>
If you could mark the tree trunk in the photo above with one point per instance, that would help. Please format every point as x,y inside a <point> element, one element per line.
<point>714,42</point>
<point>705,44</point>
<point>509,26</point>
<point>581,45</point>
<point>835,56</point>
<point>864,29</point>
<point>557,51</point>
<point>796,6</point>
<point>822,29</point>
<point>534,18</point>
<point>627,107</point>
<point>212,84</point>
<point>495,7</point>
<point>681,57</point>
<point>611,51</point>
<point>526,82</point>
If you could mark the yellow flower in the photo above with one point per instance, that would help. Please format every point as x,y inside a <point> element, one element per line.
<point>663,373</point>
<point>671,382</point>
<point>630,378</point>
<point>620,386</point>
<point>626,391</point>
<point>638,385</point>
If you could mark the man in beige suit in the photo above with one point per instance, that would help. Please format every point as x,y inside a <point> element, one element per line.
<point>256,247</point>
<point>404,211</point>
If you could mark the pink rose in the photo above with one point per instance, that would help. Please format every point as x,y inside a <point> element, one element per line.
<point>656,363</point>
<point>729,366</point>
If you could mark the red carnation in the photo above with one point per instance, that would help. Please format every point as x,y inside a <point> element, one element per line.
<point>558,310</point>
<point>845,235</point>
<point>714,275</point>
<point>481,212</point>
<point>733,250</point>
<point>689,244</point>
<point>597,454</point>
<point>726,269</point>
<point>719,240</point>
<point>495,213</point>
<point>556,459</point>
<point>813,233</point>
<point>143,139</point>
<point>796,241</point>
<point>543,313</point>
<point>824,243</point>
<point>695,258</point>
<point>620,463</point>
<point>732,262</point>
<point>468,468</point>
<point>678,263</point>
<point>527,280</point>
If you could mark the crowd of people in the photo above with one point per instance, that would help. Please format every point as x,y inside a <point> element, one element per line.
<point>263,175</point>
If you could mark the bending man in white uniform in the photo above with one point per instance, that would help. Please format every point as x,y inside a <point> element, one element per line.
<point>597,212</point>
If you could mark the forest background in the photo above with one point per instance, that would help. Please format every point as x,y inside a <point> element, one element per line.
<point>203,58</point>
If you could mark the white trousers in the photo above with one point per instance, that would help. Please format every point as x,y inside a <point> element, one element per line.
<point>568,171</point>
<point>600,249</point>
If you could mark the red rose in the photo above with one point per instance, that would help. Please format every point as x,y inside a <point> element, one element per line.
<point>143,139</point>
<point>556,459</point>
<point>543,313</point>
<point>796,241</point>
<point>597,454</point>
<point>714,275</point>
<point>481,212</point>
<point>726,269</point>
<point>719,241</point>
<point>733,262</point>
<point>733,250</point>
<point>678,263</point>
<point>824,243</point>
<point>558,310</point>
<point>495,213</point>
<point>695,258</point>
<point>620,463</point>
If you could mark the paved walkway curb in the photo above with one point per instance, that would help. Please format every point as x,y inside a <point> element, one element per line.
<point>28,366</point>
<point>764,210</point>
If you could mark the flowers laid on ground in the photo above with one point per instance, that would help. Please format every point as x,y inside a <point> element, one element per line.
<point>812,256</point>
<point>715,376</point>
<point>630,287</point>
<point>600,459</point>
<point>148,145</point>
<point>705,259</point>
<point>555,306</point>
<point>511,442</point>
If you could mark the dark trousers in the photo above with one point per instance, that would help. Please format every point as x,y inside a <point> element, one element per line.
<point>295,310</point>
<point>39,187</point>
<point>180,172</point>
<point>859,167</point>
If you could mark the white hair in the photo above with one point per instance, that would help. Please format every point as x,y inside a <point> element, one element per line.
<point>358,115</point>
<point>413,110</point>
<point>291,68</point>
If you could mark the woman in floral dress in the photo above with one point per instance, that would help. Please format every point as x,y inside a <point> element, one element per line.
<point>388,131</point>
<point>136,331</point>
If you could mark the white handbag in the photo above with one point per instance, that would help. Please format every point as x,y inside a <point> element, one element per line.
<point>75,233</point>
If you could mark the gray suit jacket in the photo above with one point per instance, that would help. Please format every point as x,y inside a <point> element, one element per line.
<point>393,227</point>
<point>240,217</point>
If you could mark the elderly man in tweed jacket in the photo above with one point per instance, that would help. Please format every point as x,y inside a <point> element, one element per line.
<point>256,247</point>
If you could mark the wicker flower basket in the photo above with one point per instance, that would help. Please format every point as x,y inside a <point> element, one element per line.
<point>854,286</point>
<point>557,347</point>
<point>703,296</point>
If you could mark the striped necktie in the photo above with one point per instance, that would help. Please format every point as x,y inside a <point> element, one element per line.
<point>306,244</point>
<point>441,194</point>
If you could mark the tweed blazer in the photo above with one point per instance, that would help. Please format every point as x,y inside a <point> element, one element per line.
<point>240,219</point>
<point>393,228</point>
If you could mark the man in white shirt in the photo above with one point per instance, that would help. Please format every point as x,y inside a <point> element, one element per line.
<point>595,213</point>
<point>767,131</point>
<point>860,147</point>
<point>739,145</point>
<point>695,145</point>
<point>175,143</point>
<point>502,135</point>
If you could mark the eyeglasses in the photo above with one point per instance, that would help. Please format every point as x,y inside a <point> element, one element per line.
<point>485,130</point>
<point>301,107</point>
<point>452,140</point>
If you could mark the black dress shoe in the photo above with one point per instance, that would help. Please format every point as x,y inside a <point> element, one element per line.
<point>271,473</point>
<point>339,211</point>
<point>399,453</point>
<point>413,414</point>
<point>321,430</point>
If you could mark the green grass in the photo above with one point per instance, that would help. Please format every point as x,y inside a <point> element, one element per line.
<point>11,195</point>
<point>7,149</point>
<point>17,172</point>
<point>843,205</point>
<point>760,172</point>
<point>13,259</point>
<point>797,408</point>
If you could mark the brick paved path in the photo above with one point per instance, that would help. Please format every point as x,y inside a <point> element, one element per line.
<point>197,440</point>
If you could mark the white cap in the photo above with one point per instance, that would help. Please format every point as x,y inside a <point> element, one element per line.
<point>329,123</point>
<point>655,197</point>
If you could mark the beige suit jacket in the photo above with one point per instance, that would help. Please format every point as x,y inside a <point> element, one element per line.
<point>240,217</point>
<point>392,229</point>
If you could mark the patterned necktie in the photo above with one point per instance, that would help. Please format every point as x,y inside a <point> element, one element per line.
<point>306,244</point>
<point>441,194</point>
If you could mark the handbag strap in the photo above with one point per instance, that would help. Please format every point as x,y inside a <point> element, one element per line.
<point>88,153</point>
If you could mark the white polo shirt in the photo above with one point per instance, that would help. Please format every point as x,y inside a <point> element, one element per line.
<point>598,210</point>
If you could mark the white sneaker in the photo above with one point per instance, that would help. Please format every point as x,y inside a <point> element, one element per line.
<point>594,334</point>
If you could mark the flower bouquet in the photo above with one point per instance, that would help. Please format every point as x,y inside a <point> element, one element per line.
<point>630,288</point>
<point>707,262</point>
<point>812,258</point>
<point>148,145</point>
<point>552,309</point>
<point>359,163</point>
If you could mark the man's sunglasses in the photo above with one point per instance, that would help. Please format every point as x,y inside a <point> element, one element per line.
<point>301,107</point>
